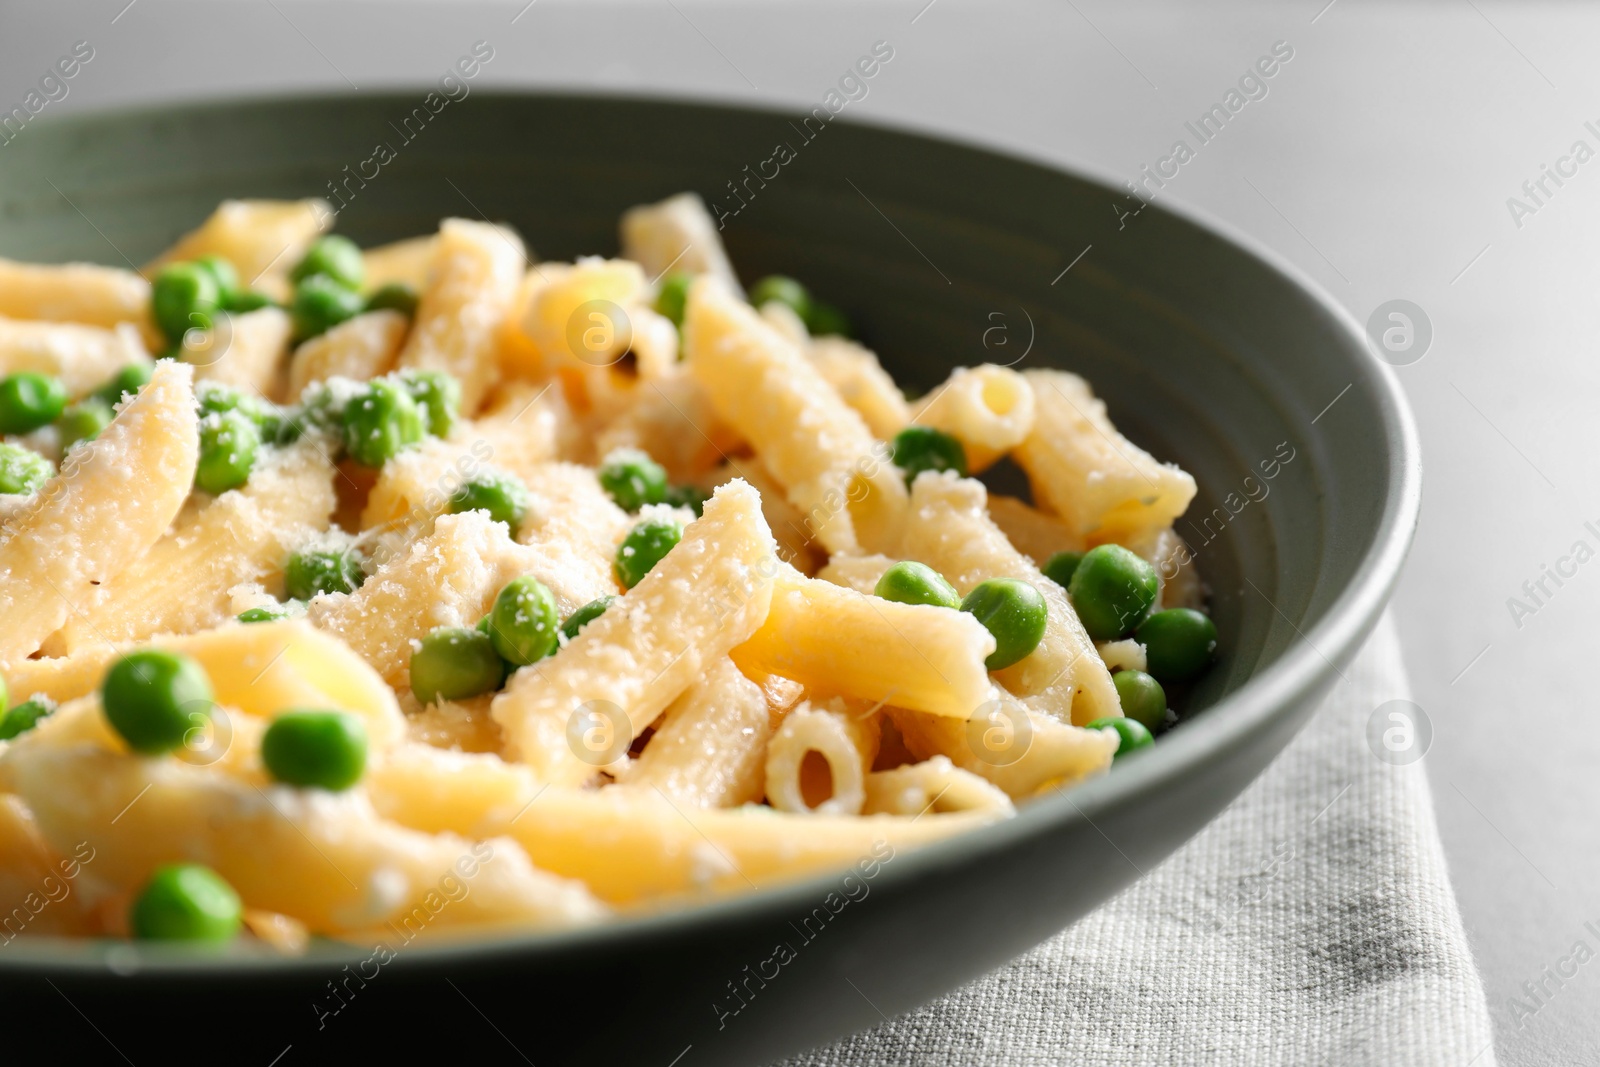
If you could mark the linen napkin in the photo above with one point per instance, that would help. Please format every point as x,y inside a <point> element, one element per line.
<point>1311,923</point>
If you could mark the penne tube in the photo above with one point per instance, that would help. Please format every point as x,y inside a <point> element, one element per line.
<point>242,536</point>
<point>1020,751</point>
<point>951,532</point>
<point>75,292</point>
<point>404,262</point>
<point>861,382</point>
<point>1030,531</point>
<point>839,642</point>
<point>574,712</point>
<point>1103,486</point>
<point>53,555</point>
<point>710,747</point>
<point>243,351</point>
<point>263,239</point>
<point>325,859</point>
<point>673,421</point>
<point>934,785</point>
<point>361,348</point>
<point>821,452</point>
<point>989,409</point>
<point>676,234</point>
<point>796,546</point>
<point>84,358</point>
<point>818,760</point>
<point>260,668</point>
<point>580,317</point>
<point>635,846</point>
<point>473,281</point>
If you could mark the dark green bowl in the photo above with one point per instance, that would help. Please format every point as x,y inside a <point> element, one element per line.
<point>1209,351</point>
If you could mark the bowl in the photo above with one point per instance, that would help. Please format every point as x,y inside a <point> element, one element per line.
<point>1208,350</point>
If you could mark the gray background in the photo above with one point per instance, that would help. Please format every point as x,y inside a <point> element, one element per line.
<point>1380,162</point>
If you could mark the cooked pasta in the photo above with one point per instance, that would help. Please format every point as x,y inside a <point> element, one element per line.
<point>419,590</point>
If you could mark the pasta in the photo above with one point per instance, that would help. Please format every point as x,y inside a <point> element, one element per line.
<point>423,591</point>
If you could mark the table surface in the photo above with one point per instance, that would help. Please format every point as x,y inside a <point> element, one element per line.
<point>1382,160</point>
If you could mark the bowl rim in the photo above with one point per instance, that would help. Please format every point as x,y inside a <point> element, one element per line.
<point>1299,670</point>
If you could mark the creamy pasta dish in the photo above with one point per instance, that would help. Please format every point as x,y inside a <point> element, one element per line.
<point>430,589</point>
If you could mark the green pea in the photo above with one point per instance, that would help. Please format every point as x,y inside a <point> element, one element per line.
<point>1011,610</point>
<point>248,300</point>
<point>1179,643</point>
<point>396,296</point>
<point>329,570</point>
<point>315,749</point>
<point>273,612</point>
<point>922,448</point>
<point>455,663</point>
<point>786,291</point>
<point>126,382</point>
<point>320,304</point>
<point>505,499</point>
<point>1142,698</point>
<point>216,398</point>
<point>633,479</point>
<point>825,319</point>
<point>153,699</point>
<point>439,395</point>
<point>910,582</point>
<point>186,902</point>
<point>29,400</point>
<point>645,546</point>
<point>224,275</point>
<point>5,692</point>
<point>336,258</point>
<point>1112,591</point>
<point>687,496</point>
<point>83,421</point>
<point>229,442</point>
<point>584,616</point>
<point>1059,567</point>
<point>22,718</point>
<point>1131,734</point>
<point>22,470</point>
<point>673,295</point>
<point>184,296</point>
<point>379,421</point>
<point>524,621</point>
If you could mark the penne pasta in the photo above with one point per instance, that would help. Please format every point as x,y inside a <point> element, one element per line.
<point>326,860</point>
<point>951,532</point>
<point>1030,531</point>
<point>51,557</point>
<point>934,785</point>
<point>565,717</point>
<point>709,749</point>
<point>360,348</point>
<point>406,262</point>
<point>861,382</point>
<point>473,281</point>
<point>819,759</point>
<point>83,358</point>
<point>839,642</point>
<point>818,449</point>
<point>1022,752</point>
<point>263,239</point>
<point>676,234</point>
<point>1101,484</point>
<point>989,409</point>
<point>241,536</point>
